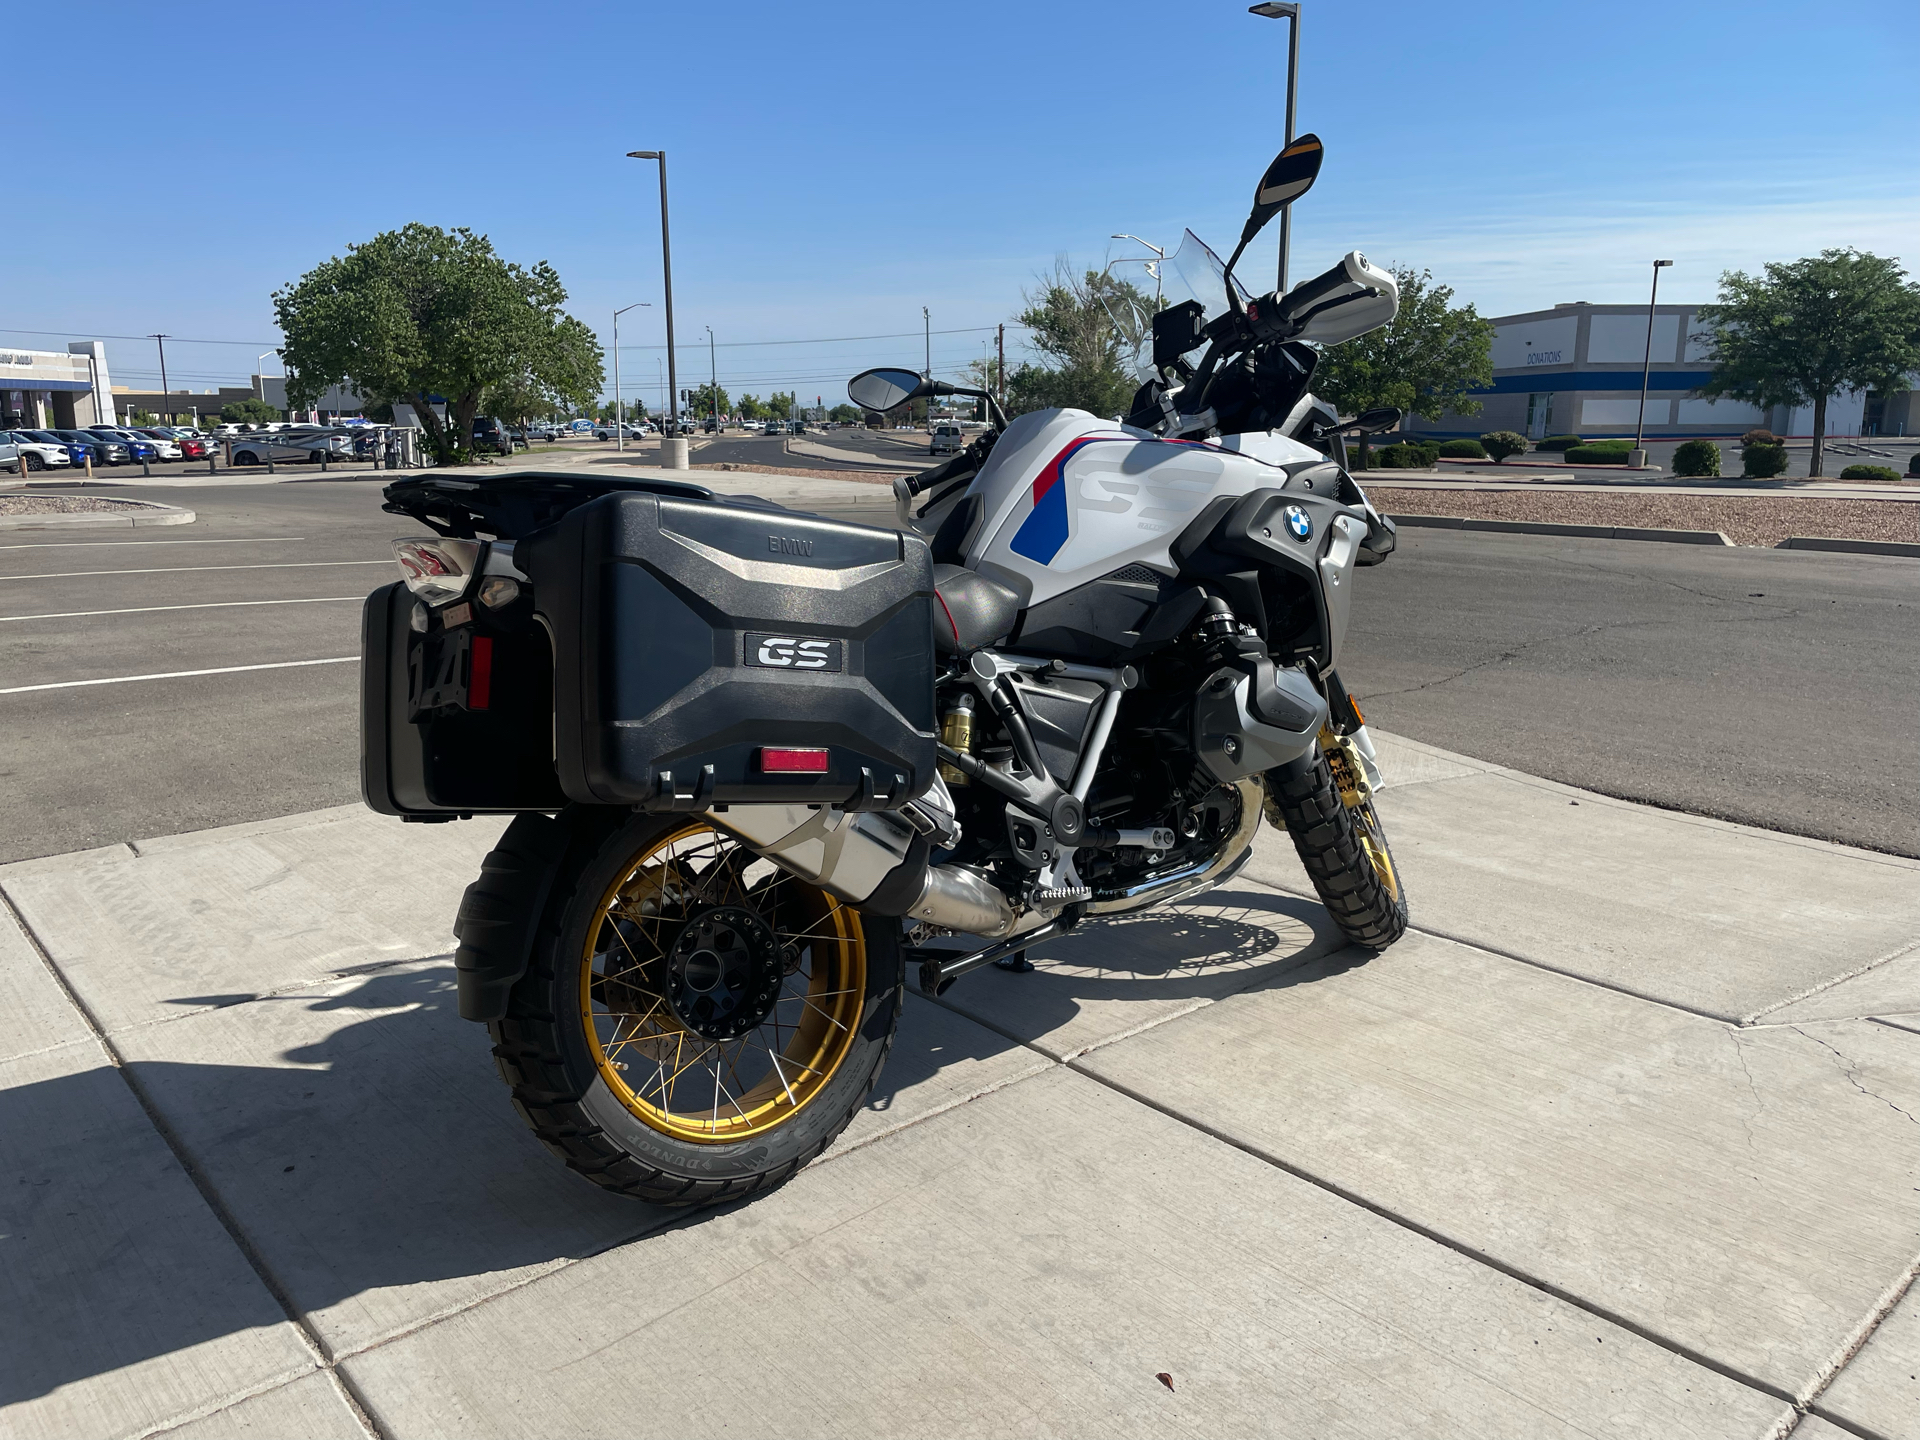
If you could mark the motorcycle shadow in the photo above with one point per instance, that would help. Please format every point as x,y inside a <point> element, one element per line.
<point>1110,975</point>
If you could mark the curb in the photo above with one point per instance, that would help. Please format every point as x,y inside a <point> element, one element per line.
<point>1582,532</point>
<point>155,515</point>
<point>1849,547</point>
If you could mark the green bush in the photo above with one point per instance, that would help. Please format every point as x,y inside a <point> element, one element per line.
<point>1761,462</point>
<point>1869,472</point>
<point>1913,463</point>
<point>1558,442</point>
<point>1407,456</point>
<point>1463,449</point>
<point>1759,437</point>
<point>1697,457</point>
<point>1604,452</point>
<point>1502,443</point>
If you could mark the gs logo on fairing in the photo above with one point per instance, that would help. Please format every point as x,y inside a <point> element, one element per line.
<point>1299,522</point>
<point>792,652</point>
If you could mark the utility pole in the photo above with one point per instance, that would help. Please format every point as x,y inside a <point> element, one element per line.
<point>1638,458</point>
<point>1281,10</point>
<point>162,339</point>
<point>1001,369</point>
<point>713,384</point>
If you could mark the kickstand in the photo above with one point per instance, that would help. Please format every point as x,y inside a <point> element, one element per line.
<point>1017,962</point>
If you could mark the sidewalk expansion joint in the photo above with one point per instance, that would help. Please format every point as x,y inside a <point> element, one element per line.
<point>1459,1247</point>
<point>1809,1398</point>
<point>302,1327</point>
<point>1828,984</point>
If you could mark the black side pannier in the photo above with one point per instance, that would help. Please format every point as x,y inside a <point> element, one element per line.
<point>712,652</point>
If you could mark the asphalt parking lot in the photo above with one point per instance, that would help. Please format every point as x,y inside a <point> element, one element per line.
<point>1776,688</point>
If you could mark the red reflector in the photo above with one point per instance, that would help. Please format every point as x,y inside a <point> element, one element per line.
<point>480,676</point>
<point>792,761</point>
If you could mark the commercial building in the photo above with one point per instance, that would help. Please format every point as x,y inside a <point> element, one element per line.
<point>58,390</point>
<point>1575,370</point>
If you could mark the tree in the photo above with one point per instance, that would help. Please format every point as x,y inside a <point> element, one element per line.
<point>421,312</point>
<point>845,414</point>
<point>1809,329</point>
<point>1425,360</point>
<point>780,405</point>
<point>248,412</point>
<point>1071,324</point>
<point>751,408</point>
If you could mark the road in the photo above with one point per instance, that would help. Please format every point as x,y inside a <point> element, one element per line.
<point>1773,687</point>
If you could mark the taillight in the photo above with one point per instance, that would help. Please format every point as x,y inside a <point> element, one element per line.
<point>792,760</point>
<point>438,570</point>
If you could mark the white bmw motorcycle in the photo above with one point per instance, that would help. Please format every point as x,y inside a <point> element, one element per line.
<point>763,764</point>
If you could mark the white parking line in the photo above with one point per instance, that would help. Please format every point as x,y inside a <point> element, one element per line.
<point>196,569</point>
<point>204,605</point>
<point>179,674</point>
<point>83,544</point>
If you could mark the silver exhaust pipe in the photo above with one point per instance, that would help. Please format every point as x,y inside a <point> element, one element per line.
<point>956,898</point>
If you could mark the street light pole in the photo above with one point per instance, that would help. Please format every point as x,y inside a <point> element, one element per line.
<point>926,320</point>
<point>1281,10</point>
<point>673,447</point>
<point>262,376</point>
<point>619,413</point>
<point>713,385</point>
<point>162,340</point>
<point>1638,458</point>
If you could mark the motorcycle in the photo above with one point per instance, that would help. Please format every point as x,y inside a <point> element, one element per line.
<point>763,764</point>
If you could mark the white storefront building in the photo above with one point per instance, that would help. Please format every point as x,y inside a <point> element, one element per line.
<point>56,390</point>
<point>1576,369</point>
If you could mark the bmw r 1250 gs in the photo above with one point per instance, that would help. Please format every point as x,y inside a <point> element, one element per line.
<point>764,764</point>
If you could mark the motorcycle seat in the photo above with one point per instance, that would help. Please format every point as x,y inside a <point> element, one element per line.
<point>970,610</point>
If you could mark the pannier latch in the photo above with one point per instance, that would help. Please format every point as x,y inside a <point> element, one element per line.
<point>871,798</point>
<point>672,797</point>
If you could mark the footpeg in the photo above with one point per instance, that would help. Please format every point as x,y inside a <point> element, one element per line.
<point>1051,895</point>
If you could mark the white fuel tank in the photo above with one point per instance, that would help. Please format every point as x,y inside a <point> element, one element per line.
<point>1068,497</point>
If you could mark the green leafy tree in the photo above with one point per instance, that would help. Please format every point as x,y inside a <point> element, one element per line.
<point>845,414</point>
<point>702,400</point>
<point>751,408</point>
<point>1083,350</point>
<point>780,405</point>
<point>249,412</point>
<point>1809,329</point>
<point>419,312</point>
<point>1426,360</point>
<point>1502,443</point>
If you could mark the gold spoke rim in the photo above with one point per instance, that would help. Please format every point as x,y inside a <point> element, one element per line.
<point>674,1080</point>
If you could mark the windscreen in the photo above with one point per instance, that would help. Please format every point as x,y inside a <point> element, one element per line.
<point>1190,272</point>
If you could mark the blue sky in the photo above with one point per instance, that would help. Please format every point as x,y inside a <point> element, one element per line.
<point>834,167</point>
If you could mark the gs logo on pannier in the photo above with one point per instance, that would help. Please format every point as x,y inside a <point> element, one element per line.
<point>792,652</point>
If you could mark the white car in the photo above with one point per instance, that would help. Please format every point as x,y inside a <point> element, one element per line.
<point>23,453</point>
<point>947,440</point>
<point>162,449</point>
<point>612,431</point>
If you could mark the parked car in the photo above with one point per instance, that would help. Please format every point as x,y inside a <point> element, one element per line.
<point>163,449</point>
<point>490,434</point>
<point>193,445</point>
<point>36,454</point>
<point>107,450</point>
<point>76,453</point>
<point>796,427</point>
<point>946,440</point>
<point>609,431</point>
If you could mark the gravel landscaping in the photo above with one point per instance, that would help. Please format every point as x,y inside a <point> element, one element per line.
<point>68,505</point>
<point>1745,520</point>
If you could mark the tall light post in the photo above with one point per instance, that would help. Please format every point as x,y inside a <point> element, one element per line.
<point>673,449</point>
<point>926,320</point>
<point>619,412</point>
<point>161,340</point>
<point>1638,458</point>
<point>261,376</point>
<point>1284,10</point>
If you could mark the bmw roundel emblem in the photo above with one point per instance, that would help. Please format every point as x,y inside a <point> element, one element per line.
<point>1299,522</point>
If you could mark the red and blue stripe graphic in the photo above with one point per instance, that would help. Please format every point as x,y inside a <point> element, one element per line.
<point>1042,534</point>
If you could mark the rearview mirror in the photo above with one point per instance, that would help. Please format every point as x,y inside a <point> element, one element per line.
<point>884,389</point>
<point>1290,176</point>
<point>1387,417</point>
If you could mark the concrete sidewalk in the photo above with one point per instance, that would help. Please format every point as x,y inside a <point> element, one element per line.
<point>1622,1140</point>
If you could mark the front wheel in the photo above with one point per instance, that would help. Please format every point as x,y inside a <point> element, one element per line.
<point>1342,845</point>
<point>695,1024</point>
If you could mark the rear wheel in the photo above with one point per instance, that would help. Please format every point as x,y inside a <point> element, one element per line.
<point>695,1024</point>
<point>1342,844</point>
